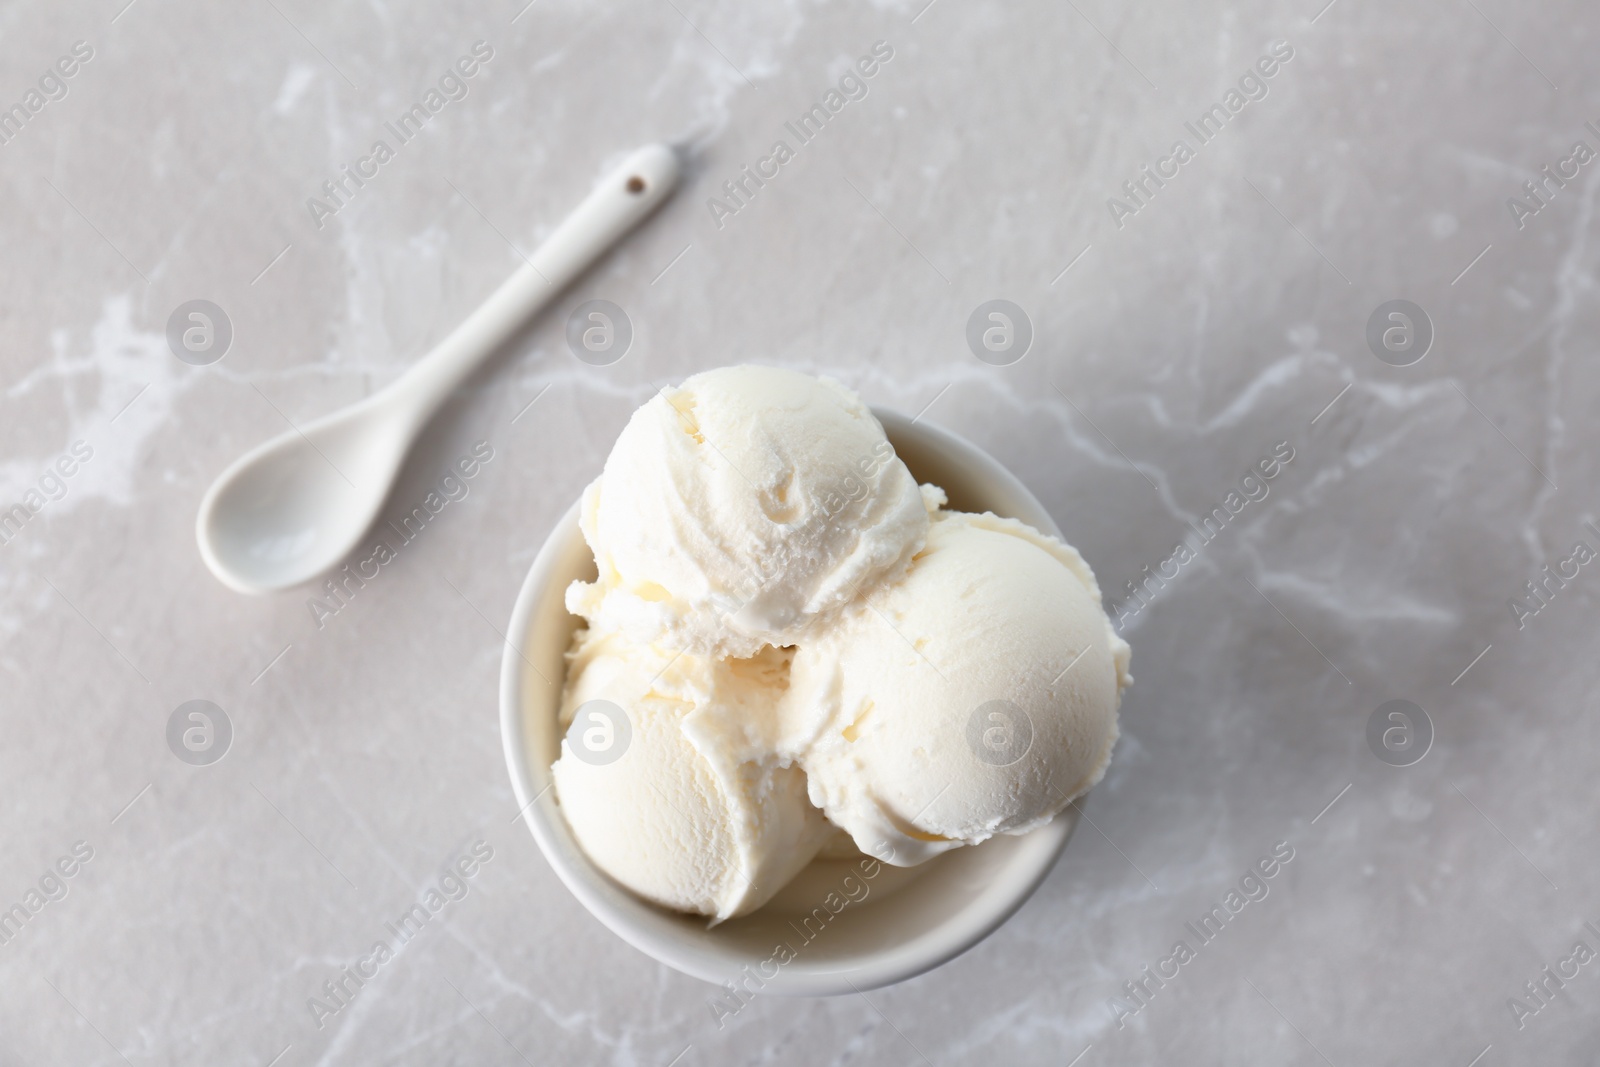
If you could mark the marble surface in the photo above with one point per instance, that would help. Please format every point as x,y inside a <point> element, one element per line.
<point>1177,342</point>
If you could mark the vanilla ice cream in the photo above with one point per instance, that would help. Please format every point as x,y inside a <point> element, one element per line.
<point>976,695</point>
<point>744,508</point>
<point>788,637</point>
<point>668,780</point>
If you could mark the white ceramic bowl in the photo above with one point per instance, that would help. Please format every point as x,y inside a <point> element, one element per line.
<point>848,925</point>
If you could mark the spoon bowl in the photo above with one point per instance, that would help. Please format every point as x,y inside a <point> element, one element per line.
<point>292,508</point>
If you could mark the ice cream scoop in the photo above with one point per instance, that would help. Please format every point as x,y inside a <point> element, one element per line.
<point>976,695</point>
<point>668,780</point>
<point>744,508</point>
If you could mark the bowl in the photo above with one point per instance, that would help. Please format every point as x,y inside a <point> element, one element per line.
<point>844,924</point>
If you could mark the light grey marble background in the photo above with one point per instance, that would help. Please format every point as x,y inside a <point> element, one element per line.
<point>1225,315</point>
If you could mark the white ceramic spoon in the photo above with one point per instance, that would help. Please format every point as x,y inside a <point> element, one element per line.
<point>295,506</point>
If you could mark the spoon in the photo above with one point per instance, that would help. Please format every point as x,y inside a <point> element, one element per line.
<point>296,505</point>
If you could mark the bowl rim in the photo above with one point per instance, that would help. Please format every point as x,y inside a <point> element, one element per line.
<point>611,904</point>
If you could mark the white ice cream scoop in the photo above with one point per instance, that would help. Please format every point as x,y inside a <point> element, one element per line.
<point>295,506</point>
<point>975,696</point>
<point>675,796</point>
<point>742,508</point>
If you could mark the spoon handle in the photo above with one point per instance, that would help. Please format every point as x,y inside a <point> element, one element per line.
<point>622,200</point>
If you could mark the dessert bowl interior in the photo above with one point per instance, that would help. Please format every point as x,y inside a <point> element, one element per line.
<point>842,925</point>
